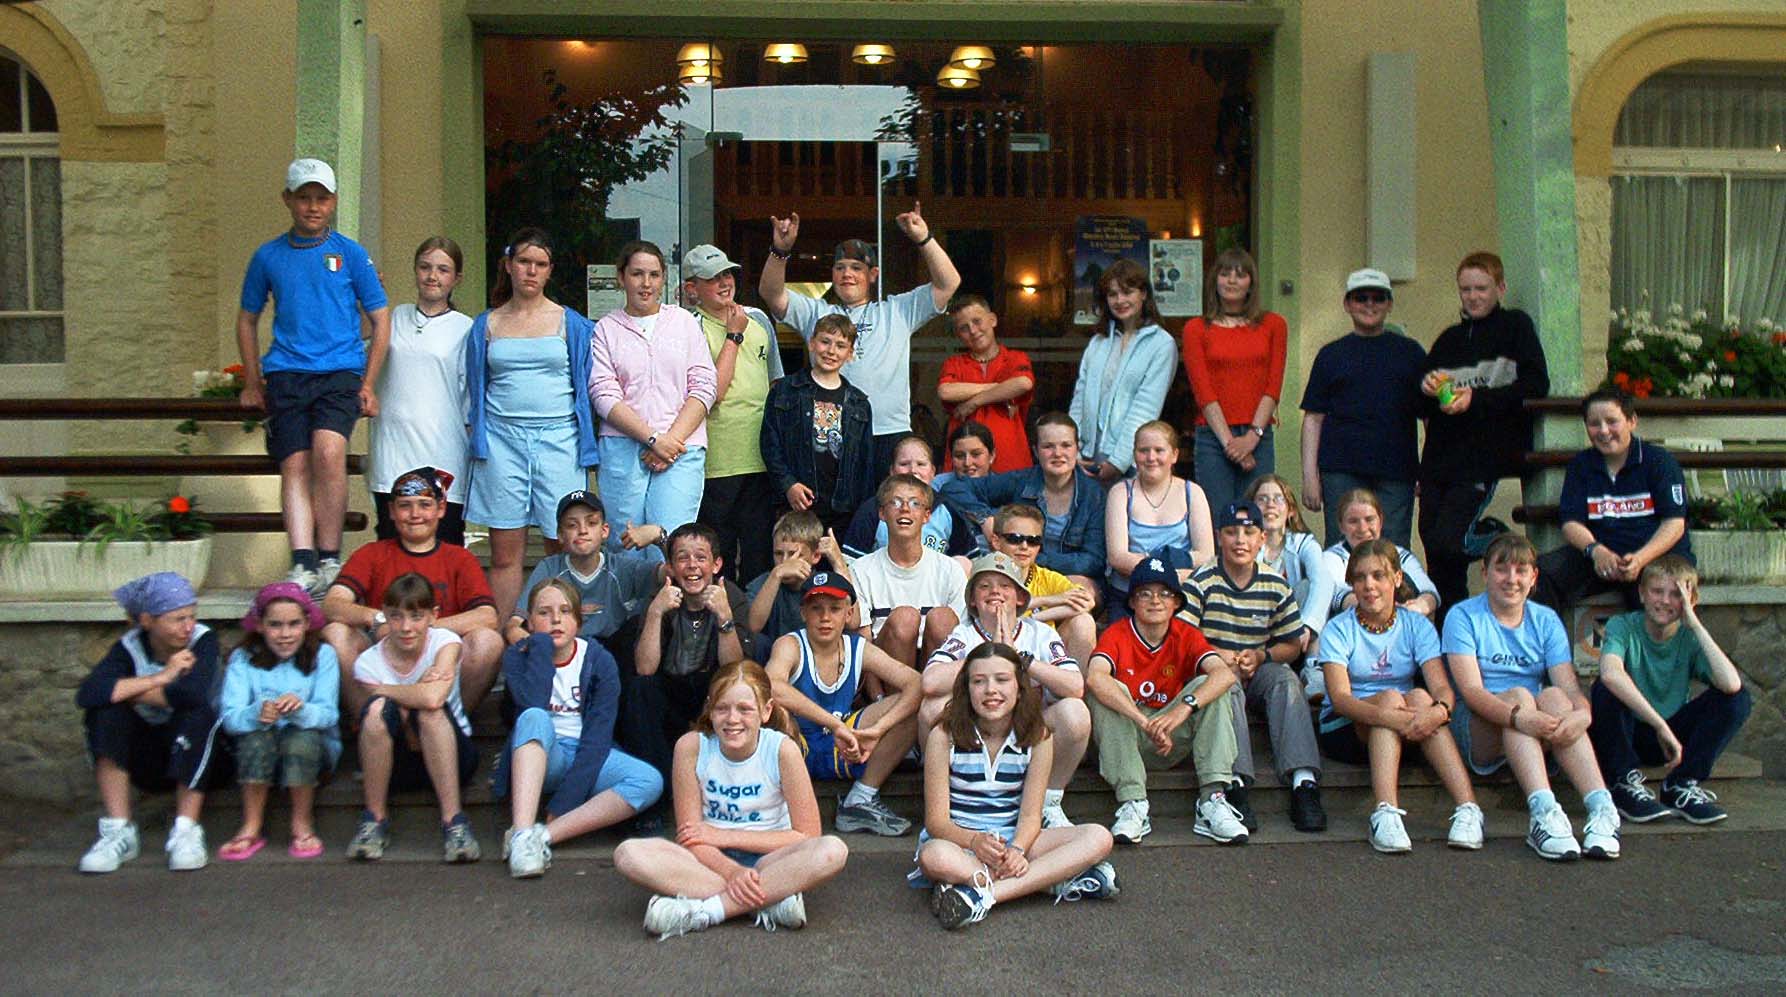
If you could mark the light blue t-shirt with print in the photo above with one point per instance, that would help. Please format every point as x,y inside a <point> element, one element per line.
<point>882,367</point>
<point>1509,657</point>
<point>1376,662</point>
<point>318,293</point>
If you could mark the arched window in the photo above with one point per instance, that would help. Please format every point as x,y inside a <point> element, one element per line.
<point>1699,196</point>
<point>30,219</point>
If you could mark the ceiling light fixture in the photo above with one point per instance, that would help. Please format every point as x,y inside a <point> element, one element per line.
<point>785,53</point>
<point>871,55</point>
<point>956,78</point>
<point>699,54</point>
<point>974,57</point>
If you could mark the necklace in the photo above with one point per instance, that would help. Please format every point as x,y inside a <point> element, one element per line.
<point>297,241</point>
<point>422,318</point>
<point>1164,492</point>
<point>1374,628</point>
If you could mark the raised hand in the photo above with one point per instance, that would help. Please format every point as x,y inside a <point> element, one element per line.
<point>785,231</point>
<point>912,223</point>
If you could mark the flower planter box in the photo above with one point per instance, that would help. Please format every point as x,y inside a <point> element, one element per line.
<point>1745,556</point>
<point>52,569</point>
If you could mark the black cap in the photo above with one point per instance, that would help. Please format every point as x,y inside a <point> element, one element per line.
<point>1153,571</point>
<point>1242,513</point>
<point>828,583</point>
<point>581,496</point>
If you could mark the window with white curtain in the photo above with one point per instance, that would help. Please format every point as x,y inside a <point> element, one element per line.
<point>1699,196</point>
<point>30,220</point>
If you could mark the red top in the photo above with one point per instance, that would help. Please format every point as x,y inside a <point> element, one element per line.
<point>459,583</point>
<point>1153,675</point>
<point>1235,365</point>
<point>1010,440</point>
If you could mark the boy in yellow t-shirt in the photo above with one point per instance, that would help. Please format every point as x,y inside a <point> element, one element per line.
<point>1054,600</point>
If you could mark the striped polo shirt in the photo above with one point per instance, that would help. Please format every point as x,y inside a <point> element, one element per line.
<point>986,792</point>
<point>1235,618</point>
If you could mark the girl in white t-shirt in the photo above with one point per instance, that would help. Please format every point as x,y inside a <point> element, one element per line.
<point>421,390</point>
<point>747,821</point>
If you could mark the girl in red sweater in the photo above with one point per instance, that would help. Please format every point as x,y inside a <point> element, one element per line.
<point>1234,356</point>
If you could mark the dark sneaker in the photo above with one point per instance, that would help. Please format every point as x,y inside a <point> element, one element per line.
<point>370,839</point>
<point>1693,802</point>
<point>1306,812</point>
<point>1096,883</point>
<point>873,817</point>
<point>457,843</point>
<point>1237,798</point>
<point>960,906</point>
<point>1635,801</point>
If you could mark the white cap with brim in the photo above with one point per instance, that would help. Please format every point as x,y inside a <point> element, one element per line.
<point>707,262</point>
<point>303,171</point>
<point>1360,279</point>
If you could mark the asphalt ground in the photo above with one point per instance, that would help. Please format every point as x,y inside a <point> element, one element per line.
<point>1683,909</point>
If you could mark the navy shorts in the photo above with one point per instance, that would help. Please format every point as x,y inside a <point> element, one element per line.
<point>299,403</point>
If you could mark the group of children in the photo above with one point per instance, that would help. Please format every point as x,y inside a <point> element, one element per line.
<point>985,629</point>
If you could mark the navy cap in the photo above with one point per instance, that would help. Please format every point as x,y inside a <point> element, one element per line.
<point>828,583</point>
<point>1242,513</point>
<point>1153,570</point>
<point>581,496</point>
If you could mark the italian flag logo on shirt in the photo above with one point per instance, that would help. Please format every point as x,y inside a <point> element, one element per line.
<point>333,262</point>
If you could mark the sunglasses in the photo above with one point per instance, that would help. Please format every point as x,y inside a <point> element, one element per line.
<point>1022,539</point>
<point>1369,297</point>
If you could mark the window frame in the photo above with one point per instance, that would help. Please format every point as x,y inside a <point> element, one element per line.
<point>30,147</point>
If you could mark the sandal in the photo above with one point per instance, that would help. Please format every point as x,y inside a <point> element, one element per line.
<point>241,848</point>
<point>305,846</point>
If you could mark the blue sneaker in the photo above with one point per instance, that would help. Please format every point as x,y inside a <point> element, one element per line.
<point>960,906</point>
<point>1693,802</point>
<point>1096,883</point>
<point>1634,800</point>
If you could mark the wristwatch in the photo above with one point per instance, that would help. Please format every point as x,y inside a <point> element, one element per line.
<point>379,619</point>
<point>1190,700</point>
<point>735,337</point>
<point>728,626</point>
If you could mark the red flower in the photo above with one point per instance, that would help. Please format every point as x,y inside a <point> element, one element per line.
<point>1642,388</point>
<point>179,504</point>
<point>1730,356</point>
<point>1780,339</point>
<point>234,368</point>
<point>1621,379</point>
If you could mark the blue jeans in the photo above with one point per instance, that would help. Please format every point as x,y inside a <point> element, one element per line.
<point>634,781</point>
<point>1705,726</point>
<point>1223,481</point>
<point>1397,498</point>
<point>634,495</point>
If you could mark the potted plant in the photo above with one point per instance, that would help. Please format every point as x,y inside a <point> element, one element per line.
<point>1740,538</point>
<point>224,437</point>
<point>73,546</point>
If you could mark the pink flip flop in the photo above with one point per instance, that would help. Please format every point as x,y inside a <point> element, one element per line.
<point>241,849</point>
<point>311,848</point>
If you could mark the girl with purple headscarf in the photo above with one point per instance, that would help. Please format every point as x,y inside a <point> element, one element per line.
<point>279,703</point>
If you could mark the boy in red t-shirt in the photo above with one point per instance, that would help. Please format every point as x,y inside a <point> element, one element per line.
<point>418,501</point>
<point>1153,677</point>
<point>989,383</point>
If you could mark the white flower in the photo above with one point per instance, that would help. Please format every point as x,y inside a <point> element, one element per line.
<point>1633,345</point>
<point>1726,381</point>
<point>1686,357</point>
<point>1676,309</point>
<point>1764,324</point>
<point>200,378</point>
<point>1710,365</point>
<point>1641,316</point>
<point>1692,341</point>
<point>1699,315</point>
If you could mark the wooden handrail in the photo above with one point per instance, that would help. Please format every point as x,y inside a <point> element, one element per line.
<point>1704,460</point>
<point>115,466</point>
<point>268,522</point>
<point>1668,406</point>
<point>208,409</point>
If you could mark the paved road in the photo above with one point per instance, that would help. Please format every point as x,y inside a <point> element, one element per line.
<point>1707,910</point>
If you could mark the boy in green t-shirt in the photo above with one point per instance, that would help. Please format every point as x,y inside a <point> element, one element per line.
<point>1647,665</point>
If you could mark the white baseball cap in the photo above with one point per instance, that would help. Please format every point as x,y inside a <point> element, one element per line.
<point>303,171</point>
<point>707,262</point>
<point>1368,277</point>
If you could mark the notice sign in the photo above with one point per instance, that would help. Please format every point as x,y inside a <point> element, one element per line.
<point>1175,266</point>
<point>1100,241</point>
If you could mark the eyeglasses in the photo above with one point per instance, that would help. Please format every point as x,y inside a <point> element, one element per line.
<point>1270,500</point>
<point>1152,593</point>
<point>1022,539</point>
<point>910,504</point>
<point>1369,297</point>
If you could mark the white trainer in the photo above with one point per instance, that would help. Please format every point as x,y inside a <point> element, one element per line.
<point>186,849</point>
<point>1600,835</point>
<point>1219,821</point>
<point>117,845</point>
<point>789,912</point>
<point>1551,836</point>
<point>667,917</point>
<point>1466,827</point>
<point>1053,815</point>
<point>1388,834</point>
<point>1132,823</point>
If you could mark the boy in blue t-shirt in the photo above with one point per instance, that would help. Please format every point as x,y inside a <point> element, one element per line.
<point>1519,698</point>
<point>318,376</point>
<point>612,589</point>
<point>1647,667</point>
<point>817,672</point>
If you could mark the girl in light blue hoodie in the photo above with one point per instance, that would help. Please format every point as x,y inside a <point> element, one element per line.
<point>1124,373</point>
<point>279,696</point>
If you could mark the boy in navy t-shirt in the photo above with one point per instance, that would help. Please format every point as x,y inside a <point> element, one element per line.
<point>318,376</point>
<point>1359,412</point>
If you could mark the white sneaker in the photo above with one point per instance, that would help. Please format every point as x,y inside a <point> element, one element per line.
<point>529,852</point>
<point>789,912</point>
<point>1054,816</point>
<point>1131,824</point>
<point>186,849</point>
<point>326,572</point>
<point>1466,827</point>
<point>300,575</point>
<point>117,845</point>
<point>1600,835</point>
<point>1219,821</point>
<point>667,917</point>
<point>1388,834</point>
<point>1551,836</point>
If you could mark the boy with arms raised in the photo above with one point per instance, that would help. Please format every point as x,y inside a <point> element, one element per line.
<point>817,437</point>
<point>802,545</point>
<point>1519,698</point>
<point>413,729</point>
<point>1647,664</point>
<point>1250,616</point>
<point>999,602</point>
<point>1159,692</point>
<point>461,592</point>
<point>816,673</point>
<point>911,595</point>
<point>318,376</point>
<point>612,590</point>
<point>883,356</point>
